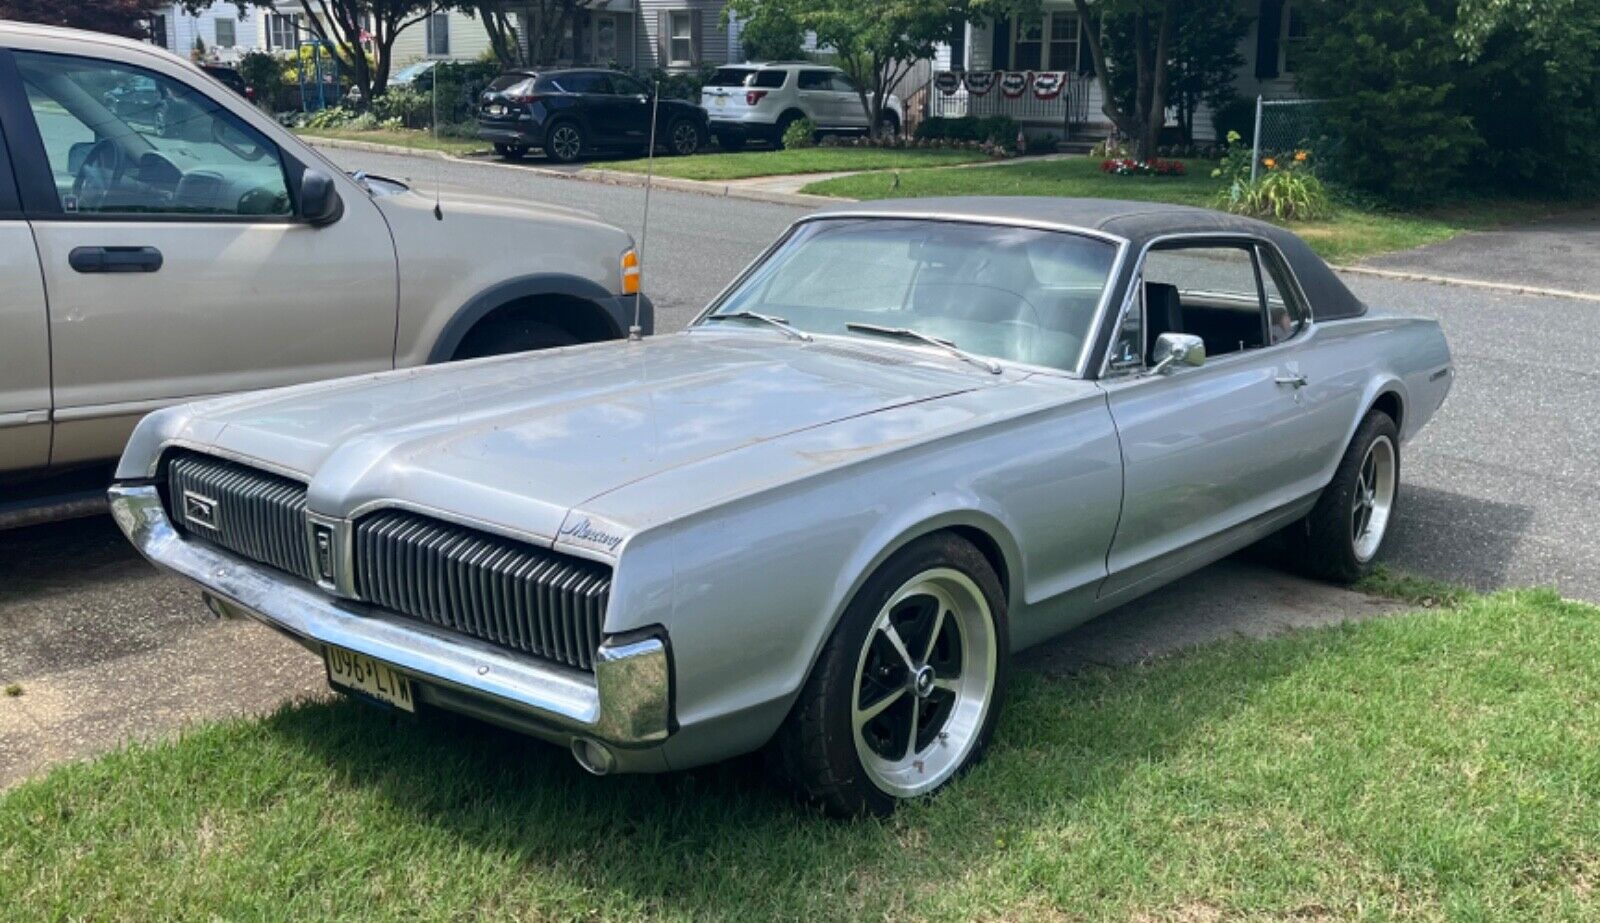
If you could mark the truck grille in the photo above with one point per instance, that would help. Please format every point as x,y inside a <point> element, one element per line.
<point>251,513</point>
<point>503,592</point>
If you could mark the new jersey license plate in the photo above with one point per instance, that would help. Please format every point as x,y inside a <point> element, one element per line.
<point>367,676</point>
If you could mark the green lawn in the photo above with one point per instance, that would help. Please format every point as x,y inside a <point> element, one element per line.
<point>420,140</point>
<point>1349,235</point>
<point>719,166</point>
<point>1435,766</point>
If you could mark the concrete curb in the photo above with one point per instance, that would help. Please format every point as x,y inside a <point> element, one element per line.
<point>1509,288</point>
<point>593,175</point>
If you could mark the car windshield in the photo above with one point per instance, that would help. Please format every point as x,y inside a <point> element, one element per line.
<point>1016,294</point>
<point>730,77</point>
<point>410,72</point>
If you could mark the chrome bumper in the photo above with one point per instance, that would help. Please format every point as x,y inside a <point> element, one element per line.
<point>626,703</point>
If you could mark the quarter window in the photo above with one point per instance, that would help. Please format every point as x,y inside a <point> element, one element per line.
<point>122,140</point>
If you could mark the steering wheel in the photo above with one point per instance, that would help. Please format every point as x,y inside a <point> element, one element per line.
<point>100,172</point>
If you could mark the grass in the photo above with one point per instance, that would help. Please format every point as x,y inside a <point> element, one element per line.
<point>418,140</point>
<point>746,164</point>
<point>1432,766</point>
<point>1350,234</point>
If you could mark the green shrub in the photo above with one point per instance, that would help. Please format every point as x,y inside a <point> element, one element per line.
<point>1287,195</point>
<point>264,72</point>
<point>995,129</point>
<point>800,133</point>
<point>1236,116</point>
<point>405,105</point>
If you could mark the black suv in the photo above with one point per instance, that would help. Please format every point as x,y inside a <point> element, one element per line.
<point>572,112</point>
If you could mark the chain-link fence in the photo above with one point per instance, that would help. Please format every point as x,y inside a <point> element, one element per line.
<point>1286,126</point>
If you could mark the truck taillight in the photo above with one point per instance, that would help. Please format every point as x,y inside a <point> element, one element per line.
<point>754,96</point>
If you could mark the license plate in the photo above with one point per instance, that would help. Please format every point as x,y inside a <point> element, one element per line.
<point>497,109</point>
<point>722,101</point>
<point>368,677</point>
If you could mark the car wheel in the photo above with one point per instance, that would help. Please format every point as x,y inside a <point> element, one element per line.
<point>510,151</point>
<point>908,689</point>
<point>564,143</point>
<point>684,138</point>
<point>730,141</point>
<point>1342,534</point>
<point>513,335</point>
<point>888,127</point>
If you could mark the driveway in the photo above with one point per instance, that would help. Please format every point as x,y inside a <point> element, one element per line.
<point>1561,253</point>
<point>1497,492</point>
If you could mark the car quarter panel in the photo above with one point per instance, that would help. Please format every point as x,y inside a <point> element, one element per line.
<point>24,352</point>
<point>568,250</point>
<point>796,525</point>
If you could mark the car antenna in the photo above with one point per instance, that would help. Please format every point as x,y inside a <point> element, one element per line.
<point>438,170</point>
<point>636,332</point>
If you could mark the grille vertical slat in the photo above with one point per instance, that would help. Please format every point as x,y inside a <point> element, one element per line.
<point>506,593</point>
<point>257,515</point>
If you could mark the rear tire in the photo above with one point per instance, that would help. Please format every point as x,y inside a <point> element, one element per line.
<point>907,691</point>
<point>564,142</point>
<point>512,335</point>
<point>782,128</point>
<point>1342,535</point>
<point>888,127</point>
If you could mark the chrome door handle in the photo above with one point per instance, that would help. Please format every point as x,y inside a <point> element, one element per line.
<point>1294,378</point>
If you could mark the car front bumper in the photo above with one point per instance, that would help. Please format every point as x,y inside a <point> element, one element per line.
<point>625,704</point>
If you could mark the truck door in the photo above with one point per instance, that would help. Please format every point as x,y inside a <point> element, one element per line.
<point>24,337</point>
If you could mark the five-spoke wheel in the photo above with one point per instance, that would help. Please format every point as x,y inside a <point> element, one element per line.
<point>1340,537</point>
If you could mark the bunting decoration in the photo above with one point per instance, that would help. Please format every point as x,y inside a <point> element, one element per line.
<point>1015,83</point>
<point>948,82</point>
<point>979,83</point>
<point>1048,84</point>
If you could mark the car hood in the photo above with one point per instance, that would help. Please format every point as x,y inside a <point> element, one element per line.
<point>518,442</point>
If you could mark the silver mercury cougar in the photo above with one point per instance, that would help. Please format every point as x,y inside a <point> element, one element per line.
<point>909,441</point>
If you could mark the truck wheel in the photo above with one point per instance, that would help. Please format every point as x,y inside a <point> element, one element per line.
<point>512,335</point>
<point>564,143</point>
<point>888,126</point>
<point>1340,537</point>
<point>909,687</point>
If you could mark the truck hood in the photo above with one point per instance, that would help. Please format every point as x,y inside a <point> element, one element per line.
<point>518,442</point>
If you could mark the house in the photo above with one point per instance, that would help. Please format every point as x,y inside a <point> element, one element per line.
<point>225,33</point>
<point>675,35</point>
<point>1054,41</point>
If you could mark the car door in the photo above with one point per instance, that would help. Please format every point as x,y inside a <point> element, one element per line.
<point>814,89</point>
<point>24,336</point>
<point>1208,449</point>
<point>847,111</point>
<point>175,263</point>
<point>599,109</point>
<point>630,101</point>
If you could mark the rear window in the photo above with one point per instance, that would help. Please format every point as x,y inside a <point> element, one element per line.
<point>730,77</point>
<point>771,80</point>
<point>505,82</point>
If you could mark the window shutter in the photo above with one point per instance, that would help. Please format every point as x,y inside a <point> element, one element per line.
<point>1000,53</point>
<point>1085,52</point>
<point>695,56</point>
<point>1268,27</point>
<point>958,44</point>
<point>663,38</point>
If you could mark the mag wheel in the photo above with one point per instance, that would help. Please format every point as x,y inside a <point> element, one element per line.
<point>564,143</point>
<point>908,689</point>
<point>1342,534</point>
<point>685,138</point>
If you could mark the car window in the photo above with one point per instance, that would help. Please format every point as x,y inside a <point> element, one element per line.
<point>1209,291</point>
<point>120,140</point>
<point>816,80</point>
<point>730,77</point>
<point>623,85</point>
<point>1285,315</point>
<point>771,79</point>
<point>841,83</point>
<point>505,82</point>
<point>978,286</point>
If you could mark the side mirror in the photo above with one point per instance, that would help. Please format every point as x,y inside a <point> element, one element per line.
<point>319,200</point>
<point>1178,349</point>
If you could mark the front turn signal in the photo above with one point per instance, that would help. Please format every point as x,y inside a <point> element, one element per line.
<point>631,277</point>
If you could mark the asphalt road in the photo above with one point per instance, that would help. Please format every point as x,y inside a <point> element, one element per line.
<point>1498,491</point>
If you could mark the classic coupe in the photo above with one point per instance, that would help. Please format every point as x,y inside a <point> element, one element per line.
<point>908,441</point>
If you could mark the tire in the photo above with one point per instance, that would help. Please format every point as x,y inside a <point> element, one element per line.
<point>684,137</point>
<point>888,126</point>
<point>1340,537</point>
<point>934,713</point>
<point>512,335</point>
<point>782,128</point>
<point>564,142</point>
<point>510,151</point>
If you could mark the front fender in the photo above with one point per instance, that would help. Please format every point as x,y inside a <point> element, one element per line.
<point>618,309</point>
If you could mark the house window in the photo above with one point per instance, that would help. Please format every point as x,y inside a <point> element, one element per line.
<point>680,48</point>
<point>283,31</point>
<point>225,34</point>
<point>438,35</point>
<point>1046,42</point>
<point>1294,37</point>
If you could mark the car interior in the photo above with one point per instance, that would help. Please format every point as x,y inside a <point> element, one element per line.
<point>1212,292</point>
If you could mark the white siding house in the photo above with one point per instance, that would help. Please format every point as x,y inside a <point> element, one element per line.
<point>225,33</point>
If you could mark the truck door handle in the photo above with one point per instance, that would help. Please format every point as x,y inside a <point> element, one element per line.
<point>1293,378</point>
<point>115,259</point>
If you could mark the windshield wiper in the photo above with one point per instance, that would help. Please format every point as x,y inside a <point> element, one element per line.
<point>906,333</point>
<point>778,322</point>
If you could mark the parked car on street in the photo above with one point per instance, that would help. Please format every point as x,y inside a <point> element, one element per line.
<point>911,439</point>
<point>760,101</point>
<point>230,78</point>
<point>162,240</point>
<point>573,113</point>
<point>417,75</point>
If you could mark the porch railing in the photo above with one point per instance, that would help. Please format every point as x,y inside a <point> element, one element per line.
<point>992,93</point>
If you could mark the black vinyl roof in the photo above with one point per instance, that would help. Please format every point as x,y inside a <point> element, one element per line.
<point>1140,223</point>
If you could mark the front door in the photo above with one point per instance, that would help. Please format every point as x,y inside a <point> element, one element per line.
<point>173,260</point>
<point>630,101</point>
<point>1206,449</point>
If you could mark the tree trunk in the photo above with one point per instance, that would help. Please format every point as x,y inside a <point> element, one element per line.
<point>1157,114</point>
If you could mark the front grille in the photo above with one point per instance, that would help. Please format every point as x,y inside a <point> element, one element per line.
<point>510,594</point>
<point>253,514</point>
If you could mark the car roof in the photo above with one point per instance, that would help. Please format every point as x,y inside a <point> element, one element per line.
<point>1139,223</point>
<point>760,64</point>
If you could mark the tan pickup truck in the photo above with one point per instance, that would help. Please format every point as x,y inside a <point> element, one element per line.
<point>162,240</point>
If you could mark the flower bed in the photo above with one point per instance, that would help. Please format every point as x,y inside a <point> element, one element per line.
<point>1127,166</point>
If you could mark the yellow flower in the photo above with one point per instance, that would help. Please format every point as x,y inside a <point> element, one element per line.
<point>1269,163</point>
<point>1300,156</point>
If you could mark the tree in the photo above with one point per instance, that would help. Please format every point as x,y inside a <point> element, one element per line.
<point>118,17</point>
<point>876,43</point>
<point>499,23</point>
<point>772,34</point>
<point>1149,27</point>
<point>350,27</point>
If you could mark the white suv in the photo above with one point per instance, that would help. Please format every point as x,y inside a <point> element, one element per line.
<point>754,100</point>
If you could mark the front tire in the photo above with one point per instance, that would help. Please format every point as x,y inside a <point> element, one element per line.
<point>564,142</point>
<point>1341,536</point>
<point>908,689</point>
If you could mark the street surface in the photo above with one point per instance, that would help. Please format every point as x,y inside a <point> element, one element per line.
<point>1498,491</point>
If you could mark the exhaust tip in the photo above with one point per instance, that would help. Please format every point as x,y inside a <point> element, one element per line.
<point>592,756</point>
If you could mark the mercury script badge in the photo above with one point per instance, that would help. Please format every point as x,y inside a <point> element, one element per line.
<point>200,511</point>
<point>587,532</point>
